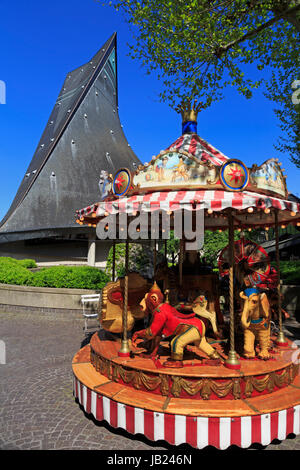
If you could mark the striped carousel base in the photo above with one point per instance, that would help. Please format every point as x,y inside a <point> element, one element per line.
<point>178,420</point>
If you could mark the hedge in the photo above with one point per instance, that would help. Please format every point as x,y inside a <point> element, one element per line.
<point>289,272</point>
<point>14,272</point>
<point>76,277</point>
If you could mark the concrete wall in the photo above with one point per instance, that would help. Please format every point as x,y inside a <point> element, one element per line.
<point>41,298</point>
<point>93,252</point>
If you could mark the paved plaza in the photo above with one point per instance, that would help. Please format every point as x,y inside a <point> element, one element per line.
<point>38,410</point>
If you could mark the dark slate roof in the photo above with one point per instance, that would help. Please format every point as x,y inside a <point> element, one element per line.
<point>288,242</point>
<point>82,137</point>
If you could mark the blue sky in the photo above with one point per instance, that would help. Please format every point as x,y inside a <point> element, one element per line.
<point>42,41</point>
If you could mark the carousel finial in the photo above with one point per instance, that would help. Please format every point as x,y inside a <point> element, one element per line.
<point>189,115</point>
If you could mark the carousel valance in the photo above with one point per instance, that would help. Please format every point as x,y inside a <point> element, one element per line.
<point>190,200</point>
<point>245,203</point>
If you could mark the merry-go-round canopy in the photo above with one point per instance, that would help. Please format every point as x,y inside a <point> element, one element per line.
<point>191,174</point>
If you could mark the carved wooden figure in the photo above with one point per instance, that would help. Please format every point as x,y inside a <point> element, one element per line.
<point>168,322</point>
<point>113,302</point>
<point>255,321</point>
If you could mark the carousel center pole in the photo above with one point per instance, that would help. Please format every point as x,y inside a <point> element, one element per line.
<point>125,349</point>
<point>281,341</point>
<point>232,360</point>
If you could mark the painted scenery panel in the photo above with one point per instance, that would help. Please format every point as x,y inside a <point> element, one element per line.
<point>269,177</point>
<point>177,169</point>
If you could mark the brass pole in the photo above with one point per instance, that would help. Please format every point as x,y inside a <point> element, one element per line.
<point>281,341</point>
<point>154,259</point>
<point>232,360</point>
<point>114,261</point>
<point>181,251</point>
<point>125,349</point>
<point>166,250</point>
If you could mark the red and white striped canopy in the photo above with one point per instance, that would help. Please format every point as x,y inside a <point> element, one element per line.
<point>215,201</point>
<point>199,148</point>
<point>192,200</point>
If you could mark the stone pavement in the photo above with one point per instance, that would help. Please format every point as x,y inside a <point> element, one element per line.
<point>38,410</point>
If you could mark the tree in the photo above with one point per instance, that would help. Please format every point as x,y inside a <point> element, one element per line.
<point>140,259</point>
<point>199,47</point>
<point>214,242</point>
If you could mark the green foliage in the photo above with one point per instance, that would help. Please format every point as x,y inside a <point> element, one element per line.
<point>140,260</point>
<point>173,246</point>
<point>75,277</point>
<point>27,263</point>
<point>198,48</point>
<point>12,272</point>
<point>78,277</point>
<point>289,272</point>
<point>280,90</point>
<point>214,242</point>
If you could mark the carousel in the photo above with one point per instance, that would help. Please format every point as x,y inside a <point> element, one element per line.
<point>168,362</point>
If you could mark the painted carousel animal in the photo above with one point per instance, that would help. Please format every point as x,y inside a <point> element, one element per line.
<point>255,321</point>
<point>167,321</point>
<point>195,282</point>
<point>113,302</point>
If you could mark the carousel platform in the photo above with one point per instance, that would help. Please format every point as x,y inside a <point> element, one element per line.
<point>203,403</point>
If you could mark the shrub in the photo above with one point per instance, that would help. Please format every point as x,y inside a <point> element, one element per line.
<point>78,277</point>
<point>13,272</point>
<point>27,263</point>
<point>75,277</point>
<point>289,272</point>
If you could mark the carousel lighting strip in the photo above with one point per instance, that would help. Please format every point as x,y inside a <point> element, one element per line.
<point>197,431</point>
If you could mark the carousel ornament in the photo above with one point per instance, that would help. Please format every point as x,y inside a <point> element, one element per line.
<point>200,309</point>
<point>234,175</point>
<point>255,321</point>
<point>121,182</point>
<point>167,321</point>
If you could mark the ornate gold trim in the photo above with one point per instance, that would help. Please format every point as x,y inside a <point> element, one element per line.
<point>174,385</point>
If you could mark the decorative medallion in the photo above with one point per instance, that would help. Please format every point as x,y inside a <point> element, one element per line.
<point>234,175</point>
<point>121,182</point>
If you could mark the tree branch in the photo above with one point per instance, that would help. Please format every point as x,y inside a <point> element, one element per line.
<point>220,50</point>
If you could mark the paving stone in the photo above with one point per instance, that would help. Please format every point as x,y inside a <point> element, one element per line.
<point>38,410</point>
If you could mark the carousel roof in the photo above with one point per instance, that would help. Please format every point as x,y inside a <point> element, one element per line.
<point>253,208</point>
<point>198,147</point>
<point>191,174</point>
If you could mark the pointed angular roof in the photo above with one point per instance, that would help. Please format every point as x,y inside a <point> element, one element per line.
<point>198,147</point>
<point>82,137</point>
